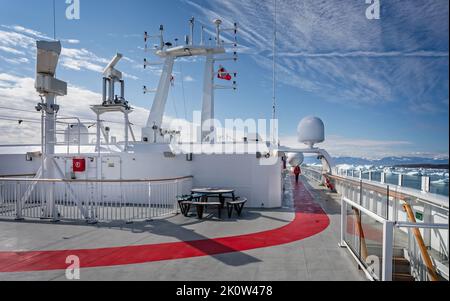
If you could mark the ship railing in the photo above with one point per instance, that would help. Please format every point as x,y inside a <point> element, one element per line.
<point>381,247</point>
<point>91,200</point>
<point>314,174</point>
<point>398,205</point>
<point>416,182</point>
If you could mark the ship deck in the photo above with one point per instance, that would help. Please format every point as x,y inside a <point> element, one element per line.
<point>298,242</point>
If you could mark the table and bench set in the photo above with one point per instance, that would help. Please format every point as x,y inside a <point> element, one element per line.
<point>199,199</point>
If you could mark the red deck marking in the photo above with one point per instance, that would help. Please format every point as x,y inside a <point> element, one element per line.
<point>310,220</point>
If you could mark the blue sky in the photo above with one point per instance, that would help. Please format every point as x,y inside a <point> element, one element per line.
<point>381,86</point>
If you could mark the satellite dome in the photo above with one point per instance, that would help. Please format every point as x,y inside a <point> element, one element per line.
<point>311,131</point>
<point>294,159</point>
<point>76,134</point>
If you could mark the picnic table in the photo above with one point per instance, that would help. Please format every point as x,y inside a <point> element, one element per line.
<point>199,199</point>
<point>215,192</point>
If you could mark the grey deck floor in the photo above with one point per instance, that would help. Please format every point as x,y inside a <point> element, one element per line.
<point>317,258</point>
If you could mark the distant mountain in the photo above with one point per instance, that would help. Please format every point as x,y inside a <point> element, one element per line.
<point>391,161</point>
<point>388,161</point>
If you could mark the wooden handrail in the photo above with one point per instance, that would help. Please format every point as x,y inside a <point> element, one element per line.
<point>360,231</point>
<point>423,249</point>
<point>93,181</point>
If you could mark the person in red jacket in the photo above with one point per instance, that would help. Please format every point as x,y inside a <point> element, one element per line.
<point>297,172</point>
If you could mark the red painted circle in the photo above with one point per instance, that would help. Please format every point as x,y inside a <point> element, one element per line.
<point>310,219</point>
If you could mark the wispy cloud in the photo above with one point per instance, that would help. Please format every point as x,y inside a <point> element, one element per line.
<point>77,59</point>
<point>27,31</point>
<point>339,146</point>
<point>17,44</point>
<point>11,50</point>
<point>331,49</point>
<point>72,41</point>
<point>359,54</point>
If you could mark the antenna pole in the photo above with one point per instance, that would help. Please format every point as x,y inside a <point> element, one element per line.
<point>54,20</point>
<point>218,22</point>
<point>274,107</point>
<point>192,24</point>
<point>161,37</point>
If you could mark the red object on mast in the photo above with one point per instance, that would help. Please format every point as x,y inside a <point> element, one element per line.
<point>223,74</point>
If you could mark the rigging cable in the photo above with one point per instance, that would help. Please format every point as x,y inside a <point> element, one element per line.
<point>274,108</point>
<point>174,105</point>
<point>19,110</point>
<point>19,119</point>
<point>16,118</point>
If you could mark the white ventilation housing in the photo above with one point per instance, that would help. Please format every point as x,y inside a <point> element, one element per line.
<point>311,131</point>
<point>295,159</point>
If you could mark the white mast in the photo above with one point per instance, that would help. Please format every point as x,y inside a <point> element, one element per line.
<point>208,100</point>
<point>153,133</point>
<point>48,87</point>
<point>155,119</point>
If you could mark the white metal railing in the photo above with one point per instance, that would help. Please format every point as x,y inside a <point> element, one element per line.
<point>313,174</point>
<point>91,200</point>
<point>386,202</point>
<point>375,241</point>
<point>413,254</point>
<point>422,183</point>
<point>375,253</point>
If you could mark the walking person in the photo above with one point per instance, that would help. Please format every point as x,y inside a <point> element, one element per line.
<point>297,172</point>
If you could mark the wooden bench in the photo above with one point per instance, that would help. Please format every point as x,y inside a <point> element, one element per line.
<point>237,205</point>
<point>184,202</point>
<point>201,207</point>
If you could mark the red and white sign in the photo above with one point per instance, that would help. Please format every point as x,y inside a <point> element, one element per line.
<point>79,165</point>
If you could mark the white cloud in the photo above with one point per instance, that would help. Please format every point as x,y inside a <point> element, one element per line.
<point>72,41</point>
<point>20,41</point>
<point>188,78</point>
<point>27,31</point>
<point>11,50</point>
<point>14,40</point>
<point>77,59</point>
<point>14,61</point>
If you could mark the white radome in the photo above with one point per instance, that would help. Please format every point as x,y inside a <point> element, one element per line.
<point>76,134</point>
<point>295,159</point>
<point>311,131</point>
